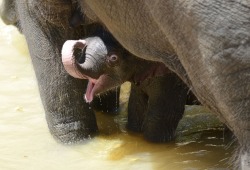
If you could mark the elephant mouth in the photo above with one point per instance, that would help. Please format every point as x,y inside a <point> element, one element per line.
<point>90,91</point>
<point>97,86</point>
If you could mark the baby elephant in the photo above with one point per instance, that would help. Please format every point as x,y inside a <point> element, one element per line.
<point>157,98</point>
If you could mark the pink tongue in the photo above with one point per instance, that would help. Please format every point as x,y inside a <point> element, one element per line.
<point>89,92</point>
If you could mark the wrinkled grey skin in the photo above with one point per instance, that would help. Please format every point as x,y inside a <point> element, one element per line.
<point>157,98</point>
<point>69,117</point>
<point>212,42</point>
<point>211,39</point>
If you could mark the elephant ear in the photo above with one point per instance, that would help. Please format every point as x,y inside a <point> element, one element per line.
<point>8,12</point>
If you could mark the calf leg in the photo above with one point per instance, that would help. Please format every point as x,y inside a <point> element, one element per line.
<point>167,98</point>
<point>137,106</point>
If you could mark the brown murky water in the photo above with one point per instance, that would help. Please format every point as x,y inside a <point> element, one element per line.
<point>26,143</point>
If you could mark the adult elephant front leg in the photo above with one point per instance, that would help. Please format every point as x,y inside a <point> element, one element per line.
<point>69,117</point>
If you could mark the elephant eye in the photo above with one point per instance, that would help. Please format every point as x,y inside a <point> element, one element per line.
<point>112,60</point>
<point>113,57</point>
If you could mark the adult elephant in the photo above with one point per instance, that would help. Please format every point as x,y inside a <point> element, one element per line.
<point>207,43</point>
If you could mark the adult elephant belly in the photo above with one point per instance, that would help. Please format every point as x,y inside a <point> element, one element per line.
<point>182,36</point>
<point>144,39</point>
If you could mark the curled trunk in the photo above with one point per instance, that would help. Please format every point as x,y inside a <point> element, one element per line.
<point>88,63</point>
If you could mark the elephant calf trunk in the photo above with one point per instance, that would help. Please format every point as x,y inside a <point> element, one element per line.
<point>92,57</point>
<point>71,65</point>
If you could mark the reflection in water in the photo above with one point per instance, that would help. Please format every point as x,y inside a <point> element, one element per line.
<point>26,143</point>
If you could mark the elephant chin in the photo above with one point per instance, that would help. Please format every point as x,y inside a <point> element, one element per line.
<point>97,86</point>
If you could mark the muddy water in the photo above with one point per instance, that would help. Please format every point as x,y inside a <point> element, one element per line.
<point>25,142</point>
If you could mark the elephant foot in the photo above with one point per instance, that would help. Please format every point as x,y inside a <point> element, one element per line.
<point>68,134</point>
<point>159,129</point>
<point>159,135</point>
<point>71,129</point>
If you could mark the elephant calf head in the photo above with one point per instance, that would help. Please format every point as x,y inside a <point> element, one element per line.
<point>106,65</point>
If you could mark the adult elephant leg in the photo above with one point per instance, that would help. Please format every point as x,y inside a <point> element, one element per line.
<point>137,106</point>
<point>167,98</point>
<point>215,57</point>
<point>231,90</point>
<point>69,118</point>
